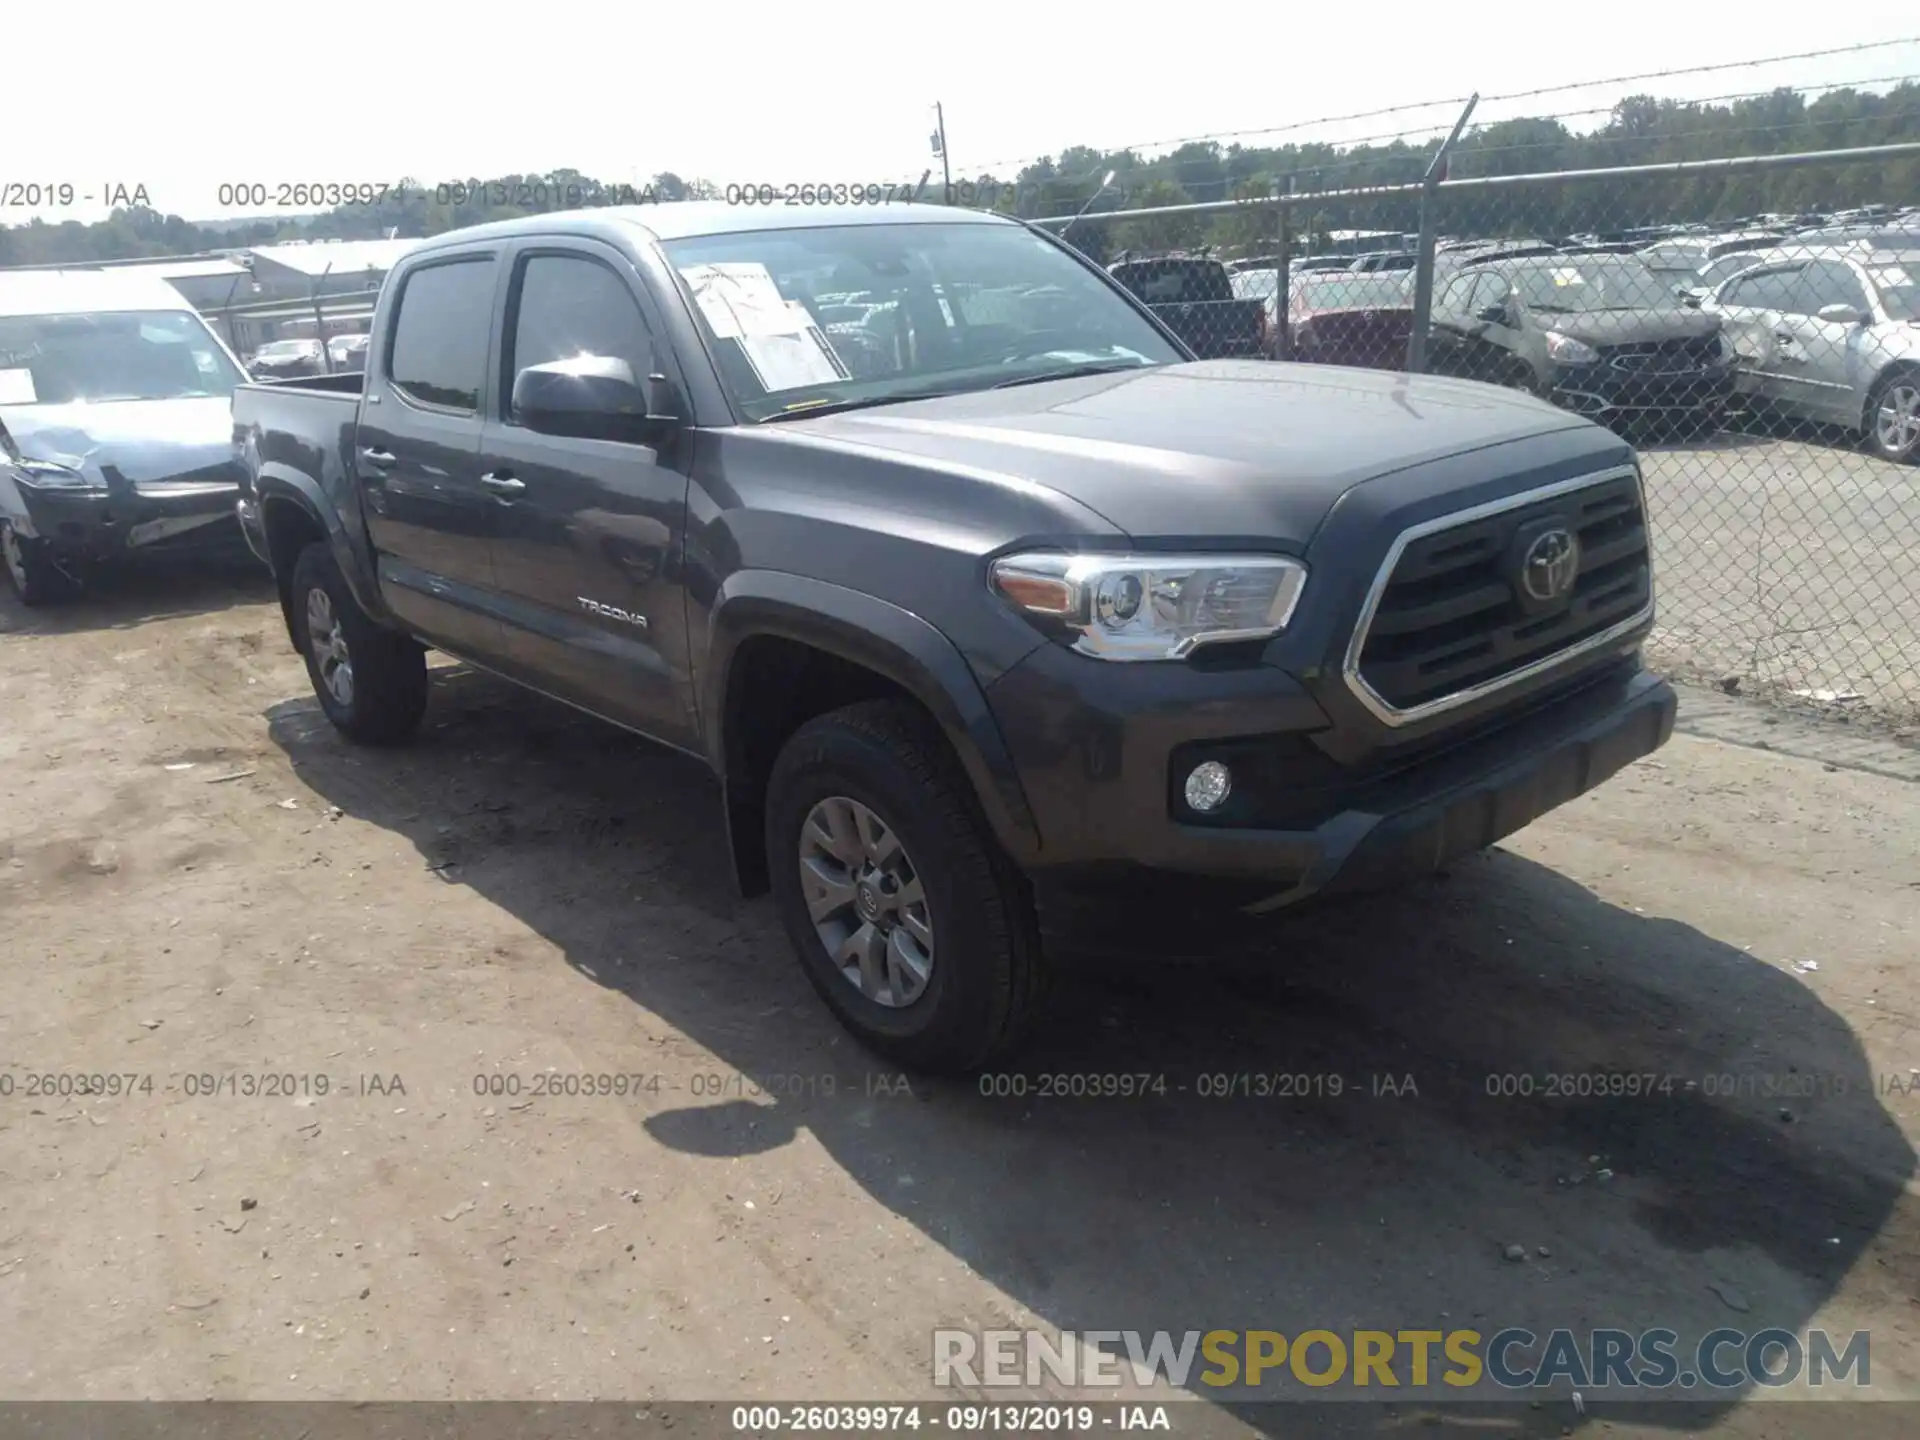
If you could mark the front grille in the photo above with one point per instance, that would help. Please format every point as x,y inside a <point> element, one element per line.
<point>1664,356</point>
<point>1450,618</point>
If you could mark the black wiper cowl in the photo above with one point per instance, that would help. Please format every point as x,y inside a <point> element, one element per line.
<point>1070,372</point>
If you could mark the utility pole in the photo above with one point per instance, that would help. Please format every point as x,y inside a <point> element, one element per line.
<point>940,149</point>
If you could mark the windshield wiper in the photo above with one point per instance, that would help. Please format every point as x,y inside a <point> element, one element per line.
<point>1070,372</point>
<point>840,407</point>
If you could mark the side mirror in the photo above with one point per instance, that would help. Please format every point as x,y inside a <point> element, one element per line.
<point>590,397</point>
<point>1841,315</point>
<point>1492,314</point>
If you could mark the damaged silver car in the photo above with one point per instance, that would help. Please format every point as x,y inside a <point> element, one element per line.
<point>116,429</point>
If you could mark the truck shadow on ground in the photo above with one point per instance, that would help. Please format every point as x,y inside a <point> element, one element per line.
<point>140,592</point>
<point>1347,1124</point>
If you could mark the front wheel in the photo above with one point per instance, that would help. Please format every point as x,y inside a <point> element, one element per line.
<point>1893,418</point>
<point>371,682</point>
<point>908,919</point>
<point>31,569</point>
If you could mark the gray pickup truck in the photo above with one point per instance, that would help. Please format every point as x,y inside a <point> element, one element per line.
<point>975,593</point>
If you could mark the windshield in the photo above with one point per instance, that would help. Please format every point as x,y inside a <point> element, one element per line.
<point>1386,290</point>
<point>1897,290</point>
<point>275,348</point>
<point>869,313</point>
<point>1611,284</point>
<point>136,355</point>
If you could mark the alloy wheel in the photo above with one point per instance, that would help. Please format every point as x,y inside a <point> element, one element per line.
<point>866,902</point>
<point>1897,422</point>
<point>328,643</point>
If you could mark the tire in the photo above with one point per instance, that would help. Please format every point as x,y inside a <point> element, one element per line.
<point>984,984</point>
<point>1898,441</point>
<point>384,692</point>
<point>31,570</point>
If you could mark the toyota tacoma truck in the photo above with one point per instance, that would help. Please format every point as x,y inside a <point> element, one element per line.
<point>1013,600</point>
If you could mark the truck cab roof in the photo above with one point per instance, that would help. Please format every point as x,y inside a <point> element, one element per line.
<point>684,219</point>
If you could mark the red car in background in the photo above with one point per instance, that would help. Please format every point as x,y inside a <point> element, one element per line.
<point>1345,318</point>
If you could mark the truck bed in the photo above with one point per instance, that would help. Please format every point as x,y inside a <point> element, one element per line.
<point>298,435</point>
<point>347,383</point>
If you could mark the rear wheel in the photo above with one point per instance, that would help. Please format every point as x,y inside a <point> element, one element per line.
<point>1893,417</point>
<point>371,682</point>
<point>910,922</point>
<point>31,569</point>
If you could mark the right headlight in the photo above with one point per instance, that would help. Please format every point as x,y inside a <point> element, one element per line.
<point>1153,607</point>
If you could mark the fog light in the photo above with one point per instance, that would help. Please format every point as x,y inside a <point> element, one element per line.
<point>1208,786</point>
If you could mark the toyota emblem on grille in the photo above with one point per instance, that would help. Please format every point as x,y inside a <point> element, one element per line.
<point>1548,567</point>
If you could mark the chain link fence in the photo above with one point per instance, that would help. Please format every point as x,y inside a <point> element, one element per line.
<point>1756,339</point>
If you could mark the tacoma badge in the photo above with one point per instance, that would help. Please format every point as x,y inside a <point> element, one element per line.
<point>612,612</point>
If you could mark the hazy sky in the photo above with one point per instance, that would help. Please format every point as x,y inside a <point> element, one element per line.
<point>182,99</point>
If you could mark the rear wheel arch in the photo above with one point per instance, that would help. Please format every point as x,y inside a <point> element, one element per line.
<point>785,650</point>
<point>294,504</point>
<point>290,526</point>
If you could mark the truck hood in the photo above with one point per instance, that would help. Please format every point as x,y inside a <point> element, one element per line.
<point>1632,327</point>
<point>1209,448</point>
<point>145,441</point>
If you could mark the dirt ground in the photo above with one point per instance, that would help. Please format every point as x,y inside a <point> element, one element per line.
<point>201,885</point>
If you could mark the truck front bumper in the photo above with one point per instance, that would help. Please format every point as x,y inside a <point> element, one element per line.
<point>1107,797</point>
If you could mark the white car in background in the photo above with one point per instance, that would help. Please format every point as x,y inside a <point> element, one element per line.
<point>348,352</point>
<point>1832,334</point>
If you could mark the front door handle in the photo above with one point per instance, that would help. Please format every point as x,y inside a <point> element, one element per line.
<point>377,459</point>
<point>501,483</point>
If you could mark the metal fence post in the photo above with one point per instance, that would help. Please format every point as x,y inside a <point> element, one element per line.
<point>1282,271</point>
<point>1423,266</point>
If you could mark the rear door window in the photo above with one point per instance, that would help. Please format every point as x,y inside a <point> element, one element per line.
<point>439,351</point>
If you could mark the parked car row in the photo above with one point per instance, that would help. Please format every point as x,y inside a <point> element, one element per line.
<point>1818,325</point>
<point>112,388</point>
<point>292,358</point>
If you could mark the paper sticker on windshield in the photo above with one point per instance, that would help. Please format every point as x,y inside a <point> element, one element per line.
<point>1568,277</point>
<point>1892,278</point>
<point>16,388</point>
<point>789,362</point>
<point>742,299</point>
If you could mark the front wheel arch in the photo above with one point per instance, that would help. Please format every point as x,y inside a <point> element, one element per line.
<point>852,647</point>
